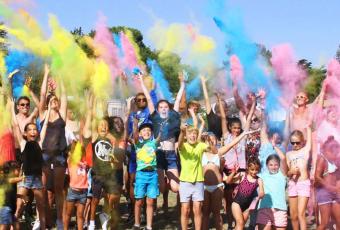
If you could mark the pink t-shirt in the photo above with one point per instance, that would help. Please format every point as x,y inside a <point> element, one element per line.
<point>78,174</point>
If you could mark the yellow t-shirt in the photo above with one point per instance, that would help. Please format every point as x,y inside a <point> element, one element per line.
<point>191,162</point>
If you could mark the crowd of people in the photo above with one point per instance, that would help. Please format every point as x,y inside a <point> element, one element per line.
<point>214,160</point>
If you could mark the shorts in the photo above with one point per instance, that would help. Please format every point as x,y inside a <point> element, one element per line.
<point>111,183</point>
<point>6,215</point>
<point>53,161</point>
<point>191,191</point>
<point>76,196</point>
<point>166,159</point>
<point>272,216</point>
<point>133,161</point>
<point>323,196</point>
<point>31,182</point>
<point>299,188</point>
<point>146,184</point>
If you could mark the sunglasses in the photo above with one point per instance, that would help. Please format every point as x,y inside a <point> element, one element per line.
<point>295,142</point>
<point>302,97</point>
<point>141,99</point>
<point>25,104</point>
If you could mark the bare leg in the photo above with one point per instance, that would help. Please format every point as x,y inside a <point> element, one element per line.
<point>197,208</point>
<point>68,214</point>
<point>80,216</point>
<point>41,207</point>
<point>293,209</point>
<point>149,212</point>
<point>302,206</point>
<point>238,216</point>
<point>216,202</point>
<point>185,212</point>
<point>138,209</point>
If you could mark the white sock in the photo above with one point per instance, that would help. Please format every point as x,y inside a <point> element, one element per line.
<point>91,222</point>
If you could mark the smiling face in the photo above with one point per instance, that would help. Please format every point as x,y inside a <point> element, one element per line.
<point>23,106</point>
<point>145,133</point>
<point>253,170</point>
<point>273,166</point>
<point>54,103</point>
<point>235,128</point>
<point>191,136</point>
<point>194,106</point>
<point>301,99</point>
<point>141,101</point>
<point>103,128</point>
<point>118,125</point>
<point>31,132</point>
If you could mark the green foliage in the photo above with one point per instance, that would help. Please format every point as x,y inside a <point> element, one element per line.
<point>314,82</point>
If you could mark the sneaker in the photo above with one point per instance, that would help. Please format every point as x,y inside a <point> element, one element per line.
<point>91,227</point>
<point>36,225</point>
<point>60,225</point>
<point>104,219</point>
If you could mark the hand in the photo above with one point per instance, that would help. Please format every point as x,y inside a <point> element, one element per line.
<point>89,99</point>
<point>47,69</point>
<point>191,111</point>
<point>261,93</point>
<point>184,127</point>
<point>251,131</point>
<point>181,77</point>
<point>129,102</point>
<point>200,117</point>
<point>296,171</point>
<point>218,96</point>
<point>11,102</point>
<point>203,79</point>
<point>11,74</point>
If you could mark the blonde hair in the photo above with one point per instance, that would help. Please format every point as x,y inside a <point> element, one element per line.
<point>191,129</point>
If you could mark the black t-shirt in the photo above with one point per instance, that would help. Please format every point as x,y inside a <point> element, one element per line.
<point>170,125</point>
<point>102,150</point>
<point>214,124</point>
<point>32,159</point>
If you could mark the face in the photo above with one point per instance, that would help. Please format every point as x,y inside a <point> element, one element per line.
<point>54,103</point>
<point>195,107</point>
<point>296,142</point>
<point>277,138</point>
<point>192,137</point>
<point>273,166</point>
<point>145,133</point>
<point>31,132</point>
<point>163,108</point>
<point>23,106</point>
<point>235,129</point>
<point>103,128</point>
<point>331,153</point>
<point>253,170</point>
<point>118,125</point>
<point>301,99</point>
<point>255,123</point>
<point>141,102</point>
<point>70,114</point>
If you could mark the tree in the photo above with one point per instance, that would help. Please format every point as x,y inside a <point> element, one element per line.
<point>337,55</point>
<point>314,82</point>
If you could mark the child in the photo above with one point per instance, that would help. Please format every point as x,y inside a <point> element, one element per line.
<point>77,192</point>
<point>9,177</point>
<point>32,163</point>
<point>146,183</point>
<point>299,183</point>
<point>245,192</point>
<point>272,209</point>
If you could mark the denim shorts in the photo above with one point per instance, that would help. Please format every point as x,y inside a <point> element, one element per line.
<point>166,159</point>
<point>146,184</point>
<point>76,196</point>
<point>31,182</point>
<point>6,215</point>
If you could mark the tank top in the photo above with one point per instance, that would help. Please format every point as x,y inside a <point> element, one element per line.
<point>55,140</point>
<point>32,160</point>
<point>235,155</point>
<point>102,150</point>
<point>214,160</point>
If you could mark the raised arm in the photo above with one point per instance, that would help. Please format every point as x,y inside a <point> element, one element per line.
<point>206,95</point>
<point>251,113</point>
<point>63,101</point>
<point>36,102</point>
<point>308,147</point>
<point>146,93</point>
<point>87,130</point>
<point>224,122</point>
<point>194,117</point>
<point>181,136</point>
<point>180,92</point>
<point>283,160</point>
<point>261,188</point>
<point>321,98</point>
<point>224,149</point>
<point>264,132</point>
<point>201,128</point>
<point>15,123</point>
<point>43,92</point>
<point>44,128</point>
<point>238,101</point>
<point>135,130</point>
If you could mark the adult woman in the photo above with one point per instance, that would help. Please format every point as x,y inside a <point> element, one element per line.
<point>54,148</point>
<point>327,192</point>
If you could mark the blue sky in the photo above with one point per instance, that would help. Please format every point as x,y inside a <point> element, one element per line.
<point>311,26</point>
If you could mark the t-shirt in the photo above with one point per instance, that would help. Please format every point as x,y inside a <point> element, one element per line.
<point>236,155</point>
<point>170,125</point>
<point>8,194</point>
<point>146,154</point>
<point>32,160</point>
<point>78,174</point>
<point>274,191</point>
<point>191,162</point>
<point>143,116</point>
<point>214,124</point>
<point>102,150</point>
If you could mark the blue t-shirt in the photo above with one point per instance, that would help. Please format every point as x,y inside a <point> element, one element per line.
<point>274,191</point>
<point>170,125</point>
<point>143,116</point>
